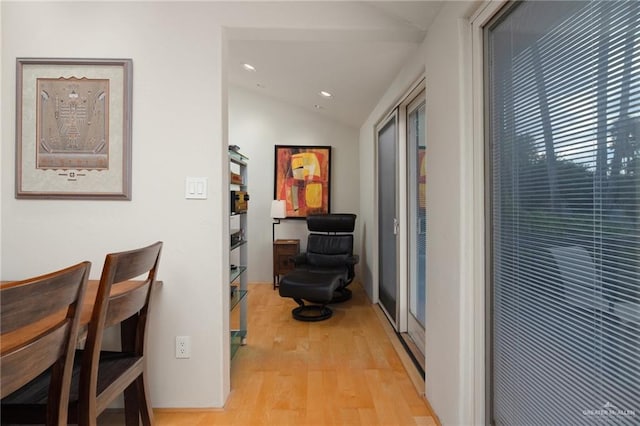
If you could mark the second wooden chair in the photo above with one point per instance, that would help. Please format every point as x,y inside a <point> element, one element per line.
<point>100,376</point>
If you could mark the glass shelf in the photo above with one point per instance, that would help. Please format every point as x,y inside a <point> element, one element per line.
<point>238,158</point>
<point>238,244</point>
<point>238,338</point>
<point>238,282</point>
<point>235,273</point>
<point>237,296</point>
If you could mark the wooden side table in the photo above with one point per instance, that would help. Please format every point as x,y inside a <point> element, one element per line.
<point>283,252</point>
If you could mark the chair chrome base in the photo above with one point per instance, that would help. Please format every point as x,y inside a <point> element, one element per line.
<point>311,313</point>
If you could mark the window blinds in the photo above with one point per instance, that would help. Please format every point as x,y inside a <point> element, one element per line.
<point>563,105</point>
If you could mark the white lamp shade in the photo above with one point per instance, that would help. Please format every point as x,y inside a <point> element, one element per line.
<point>278,209</point>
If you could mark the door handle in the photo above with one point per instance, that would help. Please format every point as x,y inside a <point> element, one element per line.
<point>395,226</point>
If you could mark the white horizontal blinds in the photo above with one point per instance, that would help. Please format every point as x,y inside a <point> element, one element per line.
<point>563,95</point>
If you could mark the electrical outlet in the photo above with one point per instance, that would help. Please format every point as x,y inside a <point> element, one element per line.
<point>183,347</point>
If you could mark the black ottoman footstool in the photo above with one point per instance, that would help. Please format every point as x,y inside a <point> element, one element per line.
<point>315,287</point>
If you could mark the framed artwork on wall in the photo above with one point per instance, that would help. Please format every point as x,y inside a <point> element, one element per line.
<point>303,179</point>
<point>73,128</point>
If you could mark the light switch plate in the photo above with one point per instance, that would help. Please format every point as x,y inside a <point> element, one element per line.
<point>195,188</point>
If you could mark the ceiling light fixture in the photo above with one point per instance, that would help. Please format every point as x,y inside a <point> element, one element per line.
<point>248,67</point>
<point>325,94</point>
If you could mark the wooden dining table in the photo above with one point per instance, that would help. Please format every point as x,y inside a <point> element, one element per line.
<point>13,339</point>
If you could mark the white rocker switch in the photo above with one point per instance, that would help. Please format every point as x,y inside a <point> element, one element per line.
<point>195,188</point>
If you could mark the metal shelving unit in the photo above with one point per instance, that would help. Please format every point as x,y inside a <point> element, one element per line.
<point>239,249</point>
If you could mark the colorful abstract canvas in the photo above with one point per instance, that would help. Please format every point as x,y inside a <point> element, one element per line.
<point>302,179</point>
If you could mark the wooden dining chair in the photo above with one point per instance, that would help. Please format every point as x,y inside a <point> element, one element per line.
<point>99,375</point>
<point>39,319</point>
<point>107,374</point>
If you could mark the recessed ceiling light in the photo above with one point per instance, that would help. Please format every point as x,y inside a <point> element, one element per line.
<point>248,67</point>
<point>325,94</point>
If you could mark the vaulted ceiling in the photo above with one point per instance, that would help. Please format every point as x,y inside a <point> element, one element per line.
<point>354,54</point>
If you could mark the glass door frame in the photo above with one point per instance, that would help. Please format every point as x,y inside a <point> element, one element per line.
<point>414,328</point>
<point>399,113</point>
<point>392,116</point>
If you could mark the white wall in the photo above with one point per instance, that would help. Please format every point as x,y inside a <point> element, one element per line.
<point>447,383</point>
<point>179,130</point>
<point>257,123</point>
<point>175,125</point>
<point>449,380</point>
<point>2,124</point>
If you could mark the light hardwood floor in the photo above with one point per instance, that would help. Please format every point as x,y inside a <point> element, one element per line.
<point>343,371</point>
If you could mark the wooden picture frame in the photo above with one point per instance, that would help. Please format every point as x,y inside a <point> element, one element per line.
<point>73,128</point>
<point>302,177</point>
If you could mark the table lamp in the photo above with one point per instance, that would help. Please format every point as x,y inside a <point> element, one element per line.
<point>278,211</point>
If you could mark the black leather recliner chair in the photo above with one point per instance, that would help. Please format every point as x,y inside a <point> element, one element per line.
<point>324,271</point>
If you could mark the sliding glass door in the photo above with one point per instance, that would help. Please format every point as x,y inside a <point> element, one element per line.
<point>563,141</point>
<point>387,146</point>
<point>416,177</point>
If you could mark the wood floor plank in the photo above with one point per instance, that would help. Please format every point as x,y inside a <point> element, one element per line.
<point>343,371</point>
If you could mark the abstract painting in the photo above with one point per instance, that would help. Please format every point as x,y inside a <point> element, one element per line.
<point>303,179</point>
